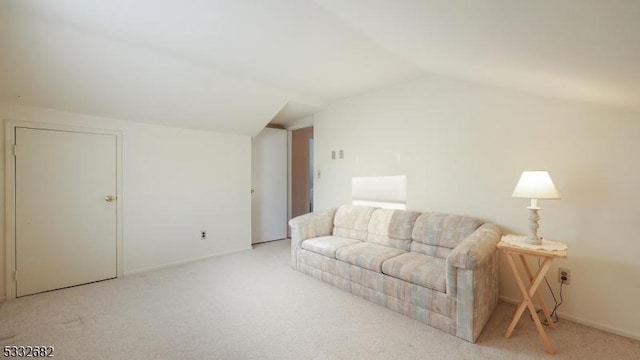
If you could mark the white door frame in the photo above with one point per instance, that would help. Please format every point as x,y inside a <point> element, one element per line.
<point>10,194</point>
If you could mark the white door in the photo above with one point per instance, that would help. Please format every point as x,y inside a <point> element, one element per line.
<point>269,183</point>
<point>65,218</point>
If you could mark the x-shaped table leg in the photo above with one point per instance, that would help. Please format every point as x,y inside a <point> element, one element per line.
<point>545,311</point>
<point>528,302</point>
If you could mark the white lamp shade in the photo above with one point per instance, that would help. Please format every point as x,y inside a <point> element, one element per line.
<point>536,185</point>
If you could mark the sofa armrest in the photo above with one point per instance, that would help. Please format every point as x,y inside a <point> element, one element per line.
<point>472,279</point>
<point>474,250</point>
<point>315,224</point>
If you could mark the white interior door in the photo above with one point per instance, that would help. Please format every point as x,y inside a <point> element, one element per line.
<point>269,183</point>
<point>65,220</point>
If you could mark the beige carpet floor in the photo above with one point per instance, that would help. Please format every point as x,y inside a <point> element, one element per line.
<point>251,305</point>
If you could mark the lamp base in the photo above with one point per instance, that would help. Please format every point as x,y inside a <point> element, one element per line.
<point>534,241</point>
<point>532,237</point>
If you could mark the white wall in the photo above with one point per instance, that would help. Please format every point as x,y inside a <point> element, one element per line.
<point>176,182</point>
<point>463,147</point>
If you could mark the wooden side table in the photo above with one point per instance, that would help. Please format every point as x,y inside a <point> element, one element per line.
<point>547,257</point>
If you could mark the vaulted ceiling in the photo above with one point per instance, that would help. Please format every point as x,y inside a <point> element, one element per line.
<point>235,65</point>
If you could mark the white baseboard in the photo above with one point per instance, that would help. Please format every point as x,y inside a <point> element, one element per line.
<point>583,321</point>
<point>181,262</point>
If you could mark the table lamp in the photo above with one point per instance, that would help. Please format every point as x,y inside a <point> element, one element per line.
<point>535,185</point>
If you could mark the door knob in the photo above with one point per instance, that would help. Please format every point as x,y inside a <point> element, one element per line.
<point>109,198</point>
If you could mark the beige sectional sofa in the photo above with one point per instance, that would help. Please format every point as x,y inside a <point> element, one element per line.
<point>439,269</point>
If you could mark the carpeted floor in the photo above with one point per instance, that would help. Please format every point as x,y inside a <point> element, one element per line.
<point>251,305</point>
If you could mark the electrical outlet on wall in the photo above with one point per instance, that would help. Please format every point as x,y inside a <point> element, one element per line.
<point>203,235</point>
<point>564,275</point>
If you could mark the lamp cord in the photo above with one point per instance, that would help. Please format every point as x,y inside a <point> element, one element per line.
<point>554,314</point>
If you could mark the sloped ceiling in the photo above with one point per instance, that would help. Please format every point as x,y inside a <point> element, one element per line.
<point>235,65</point>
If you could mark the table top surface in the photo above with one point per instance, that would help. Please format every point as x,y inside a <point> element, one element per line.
<point>562,254</point>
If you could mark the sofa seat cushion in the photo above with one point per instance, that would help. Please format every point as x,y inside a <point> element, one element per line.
<point>366,255</point>
<point>327,245</point>
<point>419,269</point>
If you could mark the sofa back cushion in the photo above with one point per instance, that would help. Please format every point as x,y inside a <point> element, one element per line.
<point>437,234</point>
<point>352,221</point>
<point>392,228</point>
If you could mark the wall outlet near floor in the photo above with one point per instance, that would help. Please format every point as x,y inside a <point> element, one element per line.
<point>564,275</point>
<point>203,235</point>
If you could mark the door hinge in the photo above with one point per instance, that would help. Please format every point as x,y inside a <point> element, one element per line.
<point>15,150</point>
<point>15,275</point>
